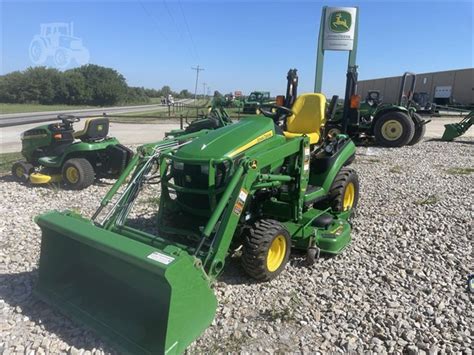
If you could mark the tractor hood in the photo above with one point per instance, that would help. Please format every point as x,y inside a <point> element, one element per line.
<point>230,140</point>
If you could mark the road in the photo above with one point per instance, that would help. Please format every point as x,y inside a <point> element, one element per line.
<point>15,119</point>
<point>135,133</point>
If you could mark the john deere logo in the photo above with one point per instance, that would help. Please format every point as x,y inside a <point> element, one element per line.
<point>340,21</point>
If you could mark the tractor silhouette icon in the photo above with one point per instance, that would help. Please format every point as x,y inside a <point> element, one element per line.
<point>57,40</point>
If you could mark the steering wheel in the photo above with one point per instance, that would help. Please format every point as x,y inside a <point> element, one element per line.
<point>68,119</point>
<point>281,113</point>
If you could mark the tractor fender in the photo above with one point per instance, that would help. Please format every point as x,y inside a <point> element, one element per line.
<point>344,157</point>
<point>82,149</point>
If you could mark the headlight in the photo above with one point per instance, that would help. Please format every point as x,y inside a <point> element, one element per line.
<point>178,165</point>
<point>205,169</point>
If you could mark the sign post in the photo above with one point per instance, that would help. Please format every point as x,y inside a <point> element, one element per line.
<point>338,32</point>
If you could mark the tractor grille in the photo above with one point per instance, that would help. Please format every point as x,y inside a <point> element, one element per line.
<point>194,176</point>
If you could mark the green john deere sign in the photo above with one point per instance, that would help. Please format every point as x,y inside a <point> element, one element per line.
<point>340,21</point>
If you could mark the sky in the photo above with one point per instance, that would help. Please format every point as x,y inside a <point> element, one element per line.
<point>243,45</point>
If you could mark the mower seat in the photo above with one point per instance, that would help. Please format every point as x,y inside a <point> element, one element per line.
<point>94,129</point>
<point>308,117</point>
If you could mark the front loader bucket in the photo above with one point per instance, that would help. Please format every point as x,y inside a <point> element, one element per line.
<point>451,131</point>
<point>144,300</point>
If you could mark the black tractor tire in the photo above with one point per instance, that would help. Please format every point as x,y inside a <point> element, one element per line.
<point>21,170</point>
<point>398,120</point>
<point>342,196</point>
<point>266,249</point>
<point>420,130</point>
<point>78,173</point>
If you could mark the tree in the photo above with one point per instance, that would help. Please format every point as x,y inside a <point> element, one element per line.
<point>108,87</point>
<point>184,94</point>
<point>77,91</point>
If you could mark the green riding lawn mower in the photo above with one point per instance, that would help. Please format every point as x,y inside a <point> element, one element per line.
<point>270,185</point>
<point>56,153</point>
<point>388,125</point>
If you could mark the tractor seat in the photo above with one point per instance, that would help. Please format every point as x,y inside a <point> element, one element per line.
<point>308,117</point>
<point>94,129</point>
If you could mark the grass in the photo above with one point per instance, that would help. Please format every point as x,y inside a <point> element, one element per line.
<point>285,313</point>
<point>162,113</point>
<point>396,169</point>
<point>430,200</point>
<point>460,171</point>
<point>368,161</point>
<point>7,160</point>
<point>19,108</point>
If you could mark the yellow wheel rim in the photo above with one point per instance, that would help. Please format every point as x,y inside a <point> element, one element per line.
<point>276,253</point>
<point>19,171</point>
<point>392,130</point>
<point>349,197</point>
<point>72,175</point>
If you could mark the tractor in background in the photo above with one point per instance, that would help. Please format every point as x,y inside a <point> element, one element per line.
<point>389,125</point>
<point>255,100</point>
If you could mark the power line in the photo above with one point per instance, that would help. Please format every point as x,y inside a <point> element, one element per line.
<point>155,22</point>
<point>178,28</point>
<point>197,69</point>
<point>188,30</point>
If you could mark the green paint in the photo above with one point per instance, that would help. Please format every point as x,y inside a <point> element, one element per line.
<point>340,21</point>
<point>104,273</point>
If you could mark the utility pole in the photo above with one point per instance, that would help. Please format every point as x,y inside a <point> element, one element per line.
<point>204,89</point>
<point>197,69</point>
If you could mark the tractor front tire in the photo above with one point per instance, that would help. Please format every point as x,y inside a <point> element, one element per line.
<point>21,170</point>
<point>344,192</point>
<point>420,130</point>
<point>78,173</point>
<point>394,129</point>
<point>266,250</point>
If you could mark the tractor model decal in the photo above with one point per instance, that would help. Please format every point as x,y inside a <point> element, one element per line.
<point>57,41</point>
<point>340,21</point>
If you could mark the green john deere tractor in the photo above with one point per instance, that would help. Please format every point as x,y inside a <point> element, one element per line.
<point>270,184</point>
<point>55,153</point>
<point>389,125</point>
<point>255,100</point>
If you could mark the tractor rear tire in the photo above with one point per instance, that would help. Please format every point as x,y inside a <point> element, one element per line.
<point>21,170</point>
<point>78,173</point>
<point>344,191</point>
<point>394,129</point>
<point>266,249</point>
<point>420,130</point>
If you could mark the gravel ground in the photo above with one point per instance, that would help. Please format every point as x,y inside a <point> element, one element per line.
<point>399,287</point>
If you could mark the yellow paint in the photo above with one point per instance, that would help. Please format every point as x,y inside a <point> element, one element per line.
<point>19,171</point>
<point>308,117</point>
<point>349,196</point>
<point>253,142</point>
<point>38,178</point>
<point>276,253</point>
<point>72,175</point>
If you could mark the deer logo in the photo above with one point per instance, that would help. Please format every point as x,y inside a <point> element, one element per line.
<point>340,21</point>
